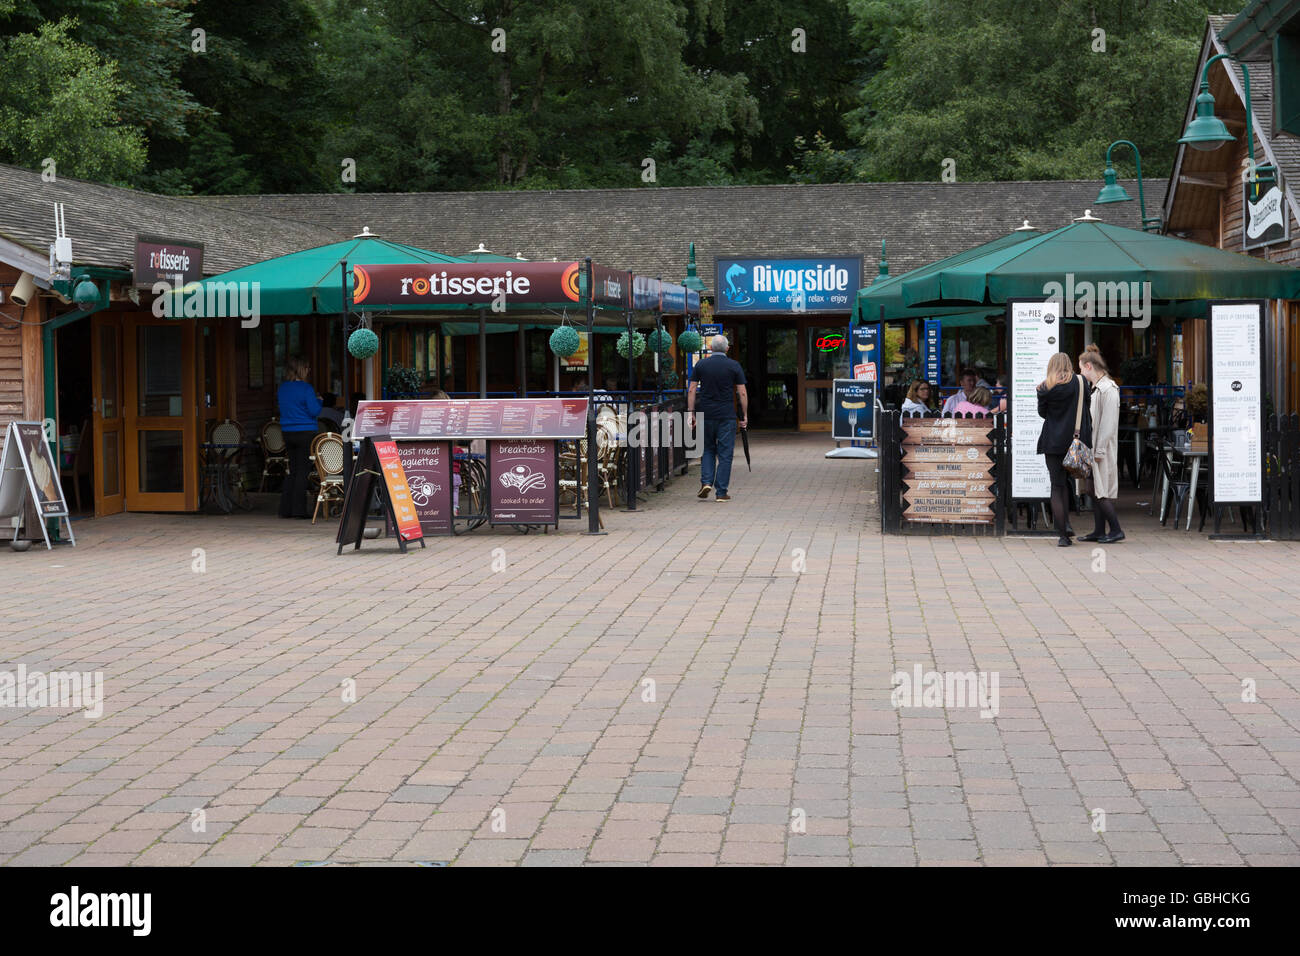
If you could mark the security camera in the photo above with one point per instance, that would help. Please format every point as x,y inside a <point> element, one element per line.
<point>25,290</point>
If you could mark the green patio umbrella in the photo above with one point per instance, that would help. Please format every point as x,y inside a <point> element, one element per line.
<point>1096,252</point>
<point>886,291</point>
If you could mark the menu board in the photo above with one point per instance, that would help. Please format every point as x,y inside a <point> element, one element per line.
<point>428,475</point>
<point>1236,407</point>
<point>948,470</point>
<point>854,415</point>
<point>399,492</point>
<point>522,482</point>
<point>1033,338</point>
<point>473,418</point>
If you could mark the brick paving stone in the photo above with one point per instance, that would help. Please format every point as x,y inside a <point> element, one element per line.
<point>1118,692</point>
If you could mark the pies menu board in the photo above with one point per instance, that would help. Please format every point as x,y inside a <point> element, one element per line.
<point>948,470</point>
<point>473,418</point>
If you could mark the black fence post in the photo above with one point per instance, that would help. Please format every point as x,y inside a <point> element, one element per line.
<point>593,471</point>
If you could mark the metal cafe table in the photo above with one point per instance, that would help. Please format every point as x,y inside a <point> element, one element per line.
<point>1140,433</point>
<point>1168,450</point>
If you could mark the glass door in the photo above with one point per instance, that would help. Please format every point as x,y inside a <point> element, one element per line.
<point>826,358</point>
<point>162,413</point>
<point>107,423</point>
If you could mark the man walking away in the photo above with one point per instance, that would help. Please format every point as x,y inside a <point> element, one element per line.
<point>717,380</point>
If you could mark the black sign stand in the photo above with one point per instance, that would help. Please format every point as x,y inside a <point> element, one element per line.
<point>367,477</point>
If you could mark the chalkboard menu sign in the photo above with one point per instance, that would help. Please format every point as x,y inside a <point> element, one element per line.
<point>473,418</point>
<point>30,476</point>
<point>948,470</point>
<point>378,468</point>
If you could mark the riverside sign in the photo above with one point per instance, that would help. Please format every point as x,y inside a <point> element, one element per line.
<point>822,284</point>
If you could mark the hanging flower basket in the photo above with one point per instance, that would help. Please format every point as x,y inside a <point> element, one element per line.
<point>638,345</point>
<point>564,341</point>
<point>669,379</point>
<point>363,343</point>
<point>659,341</point>
<point>690,341</point>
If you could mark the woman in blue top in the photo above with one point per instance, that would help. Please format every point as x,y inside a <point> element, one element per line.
<point>299,407</point>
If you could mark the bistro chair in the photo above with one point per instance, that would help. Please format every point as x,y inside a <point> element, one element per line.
<point>225,465</point>
<point>327,453</point>
<point>273,452</point>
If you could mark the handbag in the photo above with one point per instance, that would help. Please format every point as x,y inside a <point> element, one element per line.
<point>1078,460</point>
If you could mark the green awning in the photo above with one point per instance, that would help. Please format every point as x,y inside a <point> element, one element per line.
<point>1096,252</point>
<point>310,282</point>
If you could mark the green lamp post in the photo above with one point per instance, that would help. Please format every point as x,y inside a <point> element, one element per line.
<point>693,281</point>
<point>1112,191</point>
<point>1206,132</point>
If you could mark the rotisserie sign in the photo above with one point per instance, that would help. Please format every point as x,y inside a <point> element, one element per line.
<point>948,470</point>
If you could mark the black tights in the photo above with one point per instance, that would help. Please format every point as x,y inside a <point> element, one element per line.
<point>1060,493</point>
<point>1103,514</point>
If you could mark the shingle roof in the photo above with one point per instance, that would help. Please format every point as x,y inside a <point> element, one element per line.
<point>647,230</point>
<point>643,230</point>
<point>103,222</point>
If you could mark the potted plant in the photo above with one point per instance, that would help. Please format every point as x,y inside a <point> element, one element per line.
<point>1198,402</point>
<point>403,382</point>
<point>1137,371</point>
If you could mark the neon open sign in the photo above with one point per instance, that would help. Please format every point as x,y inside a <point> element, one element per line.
<point>830,343</point>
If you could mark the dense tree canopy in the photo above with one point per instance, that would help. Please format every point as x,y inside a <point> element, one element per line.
<point>212,96</point>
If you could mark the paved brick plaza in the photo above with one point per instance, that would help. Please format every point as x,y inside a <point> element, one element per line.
<point>499,717</point>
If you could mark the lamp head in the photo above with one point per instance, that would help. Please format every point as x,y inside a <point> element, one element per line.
<point>1112,191</point>
<point>1206,132</point>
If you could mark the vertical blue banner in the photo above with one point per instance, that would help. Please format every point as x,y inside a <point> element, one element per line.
<point>931,366</point>
<point>865,361</point>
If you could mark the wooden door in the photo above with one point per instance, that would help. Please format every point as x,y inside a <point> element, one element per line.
<point>107,422</point>
<point>162,415</point>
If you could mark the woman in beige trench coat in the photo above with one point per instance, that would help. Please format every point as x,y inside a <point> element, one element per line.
<point>1105,447</point>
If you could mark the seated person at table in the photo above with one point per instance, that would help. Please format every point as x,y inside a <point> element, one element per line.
<point>968,379</point>
<point>977,404</point>
<point>330,412</point>
<point>918,398</point>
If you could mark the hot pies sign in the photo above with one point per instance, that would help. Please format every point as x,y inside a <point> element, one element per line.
<point>465,284</point>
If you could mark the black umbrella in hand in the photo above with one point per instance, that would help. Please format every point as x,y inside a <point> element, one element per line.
<point>744,440</point>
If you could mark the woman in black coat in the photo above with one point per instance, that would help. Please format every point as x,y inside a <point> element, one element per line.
<point>1058,403</point>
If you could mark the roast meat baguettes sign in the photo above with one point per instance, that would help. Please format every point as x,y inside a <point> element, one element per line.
<point>468,283</point>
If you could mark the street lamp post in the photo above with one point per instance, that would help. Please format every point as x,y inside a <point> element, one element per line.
<point>1112,191</point>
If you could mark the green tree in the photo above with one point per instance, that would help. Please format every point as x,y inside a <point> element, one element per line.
<point>799,62</point>
<point>1010,90</point>
<point>475,93</point>
<point>261,102</point>
<point>61,101</point>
